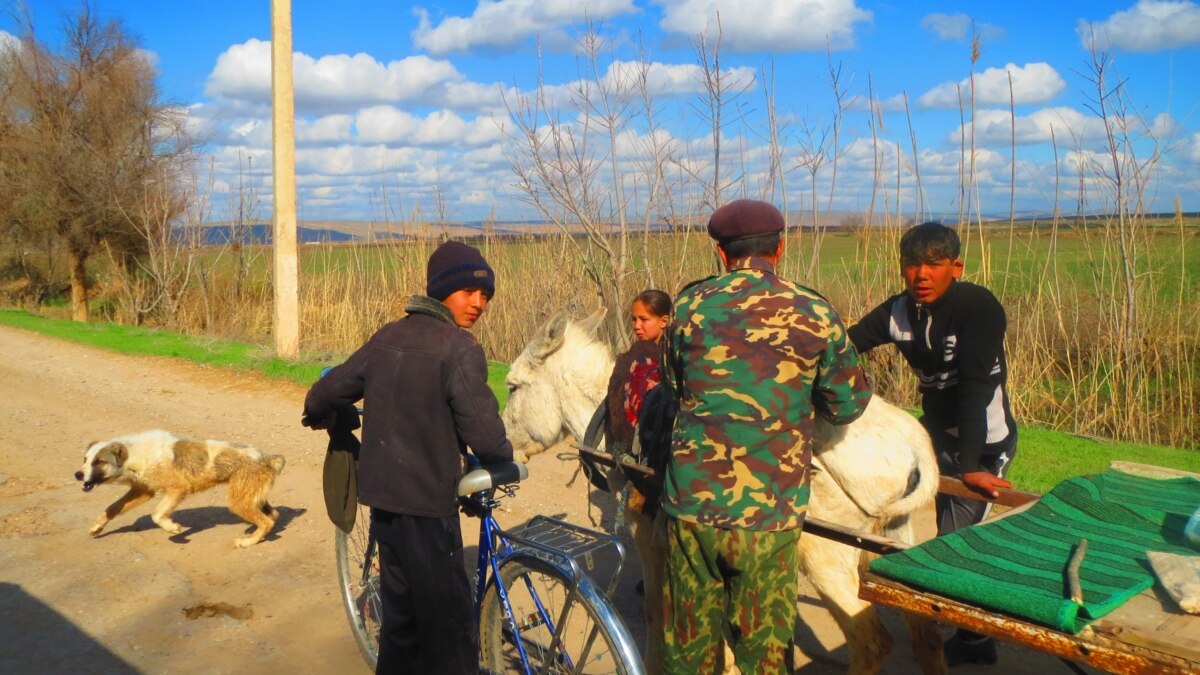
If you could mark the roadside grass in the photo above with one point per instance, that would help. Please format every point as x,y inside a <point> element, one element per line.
<point>207,351</point>
<point>1044,457</point>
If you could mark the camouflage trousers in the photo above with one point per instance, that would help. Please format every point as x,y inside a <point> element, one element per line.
<point>736,585</point>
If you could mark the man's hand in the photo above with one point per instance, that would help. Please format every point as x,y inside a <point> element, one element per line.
<point>985,483</point>
<point>318,424</point>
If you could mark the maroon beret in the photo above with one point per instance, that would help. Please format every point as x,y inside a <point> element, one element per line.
<point>744,218</point>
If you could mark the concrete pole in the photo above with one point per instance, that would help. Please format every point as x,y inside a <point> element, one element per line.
<point>283,134</point>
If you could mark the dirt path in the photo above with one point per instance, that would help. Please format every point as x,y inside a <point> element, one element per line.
<point>138,600</point>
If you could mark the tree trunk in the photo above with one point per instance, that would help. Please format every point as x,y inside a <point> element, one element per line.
<point>79,300</point>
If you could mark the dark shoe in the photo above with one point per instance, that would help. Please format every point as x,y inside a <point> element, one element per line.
<point>981,650</point>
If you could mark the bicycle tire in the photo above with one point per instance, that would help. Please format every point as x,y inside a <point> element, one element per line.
<point>356,552</point>
<point>595,640</point>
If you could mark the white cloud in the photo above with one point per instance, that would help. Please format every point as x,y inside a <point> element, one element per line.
<point>387,125</point>
<point>948,27</point>
<point>1067,127</point>
<point>9,41</point>
<point>505,23</point>
<point>958,27</point>
<point>673,79</point>
<point>475,96</point>
<point>326,130</point>
<point>1192,150</point>
<point>243,72</point>
<point>767,25</point>
<point>622,78</point>
<point>1152,25</point>
<point>1163,126</point>
<point>344,160</point>
<point>149,57</point>
<point>1034,83</point>
<point>891,104</point>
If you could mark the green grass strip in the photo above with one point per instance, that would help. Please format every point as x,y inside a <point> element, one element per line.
<point>208,351</point>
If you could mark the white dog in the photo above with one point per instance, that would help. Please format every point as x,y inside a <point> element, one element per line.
<point>154,462</point>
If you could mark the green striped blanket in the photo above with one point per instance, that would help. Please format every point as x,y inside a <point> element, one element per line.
<point>1018,564</point>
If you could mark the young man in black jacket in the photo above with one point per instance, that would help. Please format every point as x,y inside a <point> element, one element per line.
<point>951,333</point>
<point>423,382</point>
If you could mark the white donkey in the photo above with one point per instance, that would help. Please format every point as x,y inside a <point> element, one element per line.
<point>870,475</point>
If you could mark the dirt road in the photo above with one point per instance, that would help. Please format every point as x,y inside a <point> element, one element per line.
<point>140,600</point>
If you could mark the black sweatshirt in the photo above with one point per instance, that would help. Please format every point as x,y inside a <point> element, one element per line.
<point>956,347</point>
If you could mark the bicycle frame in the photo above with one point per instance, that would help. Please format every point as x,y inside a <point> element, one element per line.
<point>534,625</point>
<point>496,547</point>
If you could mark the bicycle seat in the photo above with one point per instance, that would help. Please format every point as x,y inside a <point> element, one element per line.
<point>489,476</point>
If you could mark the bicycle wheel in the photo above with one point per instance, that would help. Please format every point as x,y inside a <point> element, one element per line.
<point>358,580</point>
<point>592,638</point>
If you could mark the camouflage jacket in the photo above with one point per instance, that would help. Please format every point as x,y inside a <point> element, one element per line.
<point>758,356</point>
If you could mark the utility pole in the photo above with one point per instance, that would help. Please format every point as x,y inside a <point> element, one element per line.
<point>283,169</point>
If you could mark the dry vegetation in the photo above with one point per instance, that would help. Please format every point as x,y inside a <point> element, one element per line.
<point>1103,329</point>
<point>1070,368</point>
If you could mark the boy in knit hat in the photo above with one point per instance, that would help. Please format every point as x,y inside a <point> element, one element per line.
<point>423,383</point>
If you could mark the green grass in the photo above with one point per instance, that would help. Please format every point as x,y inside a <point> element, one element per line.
<point>1043,457</point>
<point>240,356</point>
<point>1046,457</point>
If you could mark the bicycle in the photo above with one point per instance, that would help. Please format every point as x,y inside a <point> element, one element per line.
<point>537,608</point>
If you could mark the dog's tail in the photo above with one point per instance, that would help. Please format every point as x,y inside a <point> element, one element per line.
<point>276,463</point>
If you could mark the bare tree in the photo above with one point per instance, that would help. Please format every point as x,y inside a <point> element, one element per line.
<point>1125,177</point>
<point>89,143</point>
<point>560,161</point>
<point>722,90</point>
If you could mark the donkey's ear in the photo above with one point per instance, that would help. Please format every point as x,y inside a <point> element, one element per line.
<point>550,338</point>
<point>592,323</point>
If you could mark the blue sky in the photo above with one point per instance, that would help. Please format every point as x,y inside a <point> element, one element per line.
<point>398,102</point>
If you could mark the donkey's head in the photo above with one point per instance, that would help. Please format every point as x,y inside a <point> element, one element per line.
<point>556,384</point>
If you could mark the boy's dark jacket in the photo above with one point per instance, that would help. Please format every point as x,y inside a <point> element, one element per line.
<point>423,381</point>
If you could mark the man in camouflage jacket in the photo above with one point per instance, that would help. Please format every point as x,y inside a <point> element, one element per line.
<point>758,356</point>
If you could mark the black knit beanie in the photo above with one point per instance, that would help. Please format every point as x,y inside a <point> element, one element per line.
<point>455,266</point>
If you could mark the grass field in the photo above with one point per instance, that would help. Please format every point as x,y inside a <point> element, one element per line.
<point>1102,340</point>
<point>1044,457</point>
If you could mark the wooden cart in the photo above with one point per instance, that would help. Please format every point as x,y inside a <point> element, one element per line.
<point>1148,634</point>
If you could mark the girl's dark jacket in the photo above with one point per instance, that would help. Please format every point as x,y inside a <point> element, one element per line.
<point>423,383</point>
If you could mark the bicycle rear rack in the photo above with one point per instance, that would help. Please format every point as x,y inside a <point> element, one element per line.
<point>545,536</point>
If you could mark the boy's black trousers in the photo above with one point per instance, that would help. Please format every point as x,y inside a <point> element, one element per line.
<point>428,623</point>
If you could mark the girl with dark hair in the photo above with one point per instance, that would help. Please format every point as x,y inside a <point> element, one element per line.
<point>635,373</point>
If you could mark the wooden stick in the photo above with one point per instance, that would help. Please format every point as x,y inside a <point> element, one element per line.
<point>1008,497</point>
<point>861,540</point>
<point>1073,572</point>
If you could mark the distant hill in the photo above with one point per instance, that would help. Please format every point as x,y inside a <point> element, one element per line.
<point>260,233</point>
<point>220,234</point>
<point>340,231</point>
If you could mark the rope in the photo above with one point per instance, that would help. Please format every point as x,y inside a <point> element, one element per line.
<point>568,456</point>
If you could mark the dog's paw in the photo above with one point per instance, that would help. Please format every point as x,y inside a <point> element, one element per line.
<point>520,457</point>
<point>171,526</point>
<point>246,542</point>
<point>97,528</point>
